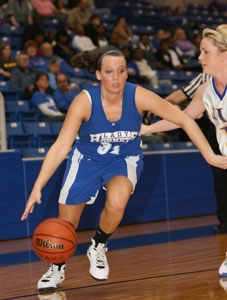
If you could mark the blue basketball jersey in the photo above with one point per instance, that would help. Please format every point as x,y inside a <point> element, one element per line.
<point>99,139</point>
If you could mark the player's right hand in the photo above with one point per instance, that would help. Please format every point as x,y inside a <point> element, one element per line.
<point>35,197</point>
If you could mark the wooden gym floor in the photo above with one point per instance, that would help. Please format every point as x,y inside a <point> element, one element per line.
<point>174,260</point>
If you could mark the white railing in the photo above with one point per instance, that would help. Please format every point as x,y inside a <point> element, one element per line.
<point>3,138</point>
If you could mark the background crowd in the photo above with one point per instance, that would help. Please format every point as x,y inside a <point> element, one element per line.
<point>155,41</point>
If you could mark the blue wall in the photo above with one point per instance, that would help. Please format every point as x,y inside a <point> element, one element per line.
<point>172,185</point>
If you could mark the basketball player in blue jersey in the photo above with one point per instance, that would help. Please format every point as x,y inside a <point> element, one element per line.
<point>101,135</point>
<point>212,97</point>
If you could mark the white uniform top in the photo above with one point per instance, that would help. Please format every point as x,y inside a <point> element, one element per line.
<point>216,106</point>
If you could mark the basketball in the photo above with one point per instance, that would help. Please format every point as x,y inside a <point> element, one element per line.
<point>54,240</point>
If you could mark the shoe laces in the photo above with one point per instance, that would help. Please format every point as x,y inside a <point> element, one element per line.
<point>100,255</point>
<point>53,274</point>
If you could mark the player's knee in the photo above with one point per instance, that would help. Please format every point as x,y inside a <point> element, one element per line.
<point>117,204</point>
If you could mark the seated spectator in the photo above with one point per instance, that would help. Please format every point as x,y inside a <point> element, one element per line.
<point>159,35</point>
<point>47,54</point>
<point>80,41</point>
<point>43,99</point>
<point>18,13</point>
<point>47,9</point>
<point>196,40</point>
<point>22,77</point>
<point>90,29</point>
<point>122,31</point>
<point>6,61</point>
<point>79,15</point>
<point>30,48</point>
<point>147,47</point>
<point>62,48</point>
<point>179,11</point>
<point>65,92</point>
<point>39,38</point>
<point>146,74</point>
<point>103,40</point>
<point>183,45</point>
<point>53,68</point>
<point>173,18</point>
<point>114,40</point>
<point>167,58</point>
<point>132,68</point>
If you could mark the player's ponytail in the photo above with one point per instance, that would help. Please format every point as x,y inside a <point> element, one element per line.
<point>92,60</point>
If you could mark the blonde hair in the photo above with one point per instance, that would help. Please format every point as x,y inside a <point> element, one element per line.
<point>219,36</point>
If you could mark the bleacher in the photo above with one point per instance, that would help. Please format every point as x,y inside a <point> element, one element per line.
<point>25,129</point>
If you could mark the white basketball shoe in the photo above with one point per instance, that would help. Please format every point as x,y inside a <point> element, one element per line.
<point>99,268</point>
<point>49,281</point>
<point>223,268</point>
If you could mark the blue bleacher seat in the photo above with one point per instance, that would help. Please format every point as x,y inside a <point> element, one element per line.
<point>11,95</point>
<point>34,152</point>
<point>56,127</point>
<point>163,146</point>
<point>42,133</point>
<point>16,136</point>
<point>21,110</point>
<point>4,86</point>
<point>51,24</point>
<point>168,89</point>
<point>184,145</point>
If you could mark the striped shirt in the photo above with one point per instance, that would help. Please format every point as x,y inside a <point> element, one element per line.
<point>190,89</point>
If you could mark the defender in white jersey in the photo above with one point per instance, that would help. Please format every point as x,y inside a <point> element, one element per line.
<point>211,96</point>
<point>101,132</point>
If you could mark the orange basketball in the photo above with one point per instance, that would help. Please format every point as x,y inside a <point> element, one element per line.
<point>54,240</point>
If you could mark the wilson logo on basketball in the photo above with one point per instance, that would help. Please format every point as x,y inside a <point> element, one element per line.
<point>48,244</point>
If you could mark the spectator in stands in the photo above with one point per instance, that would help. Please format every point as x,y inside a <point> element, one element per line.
<point>179,11</point>
<point>147,47</point>
<point>196,40</point>
<point>132,68</point>
<point>47,54</point>
<point>43,99</point>
<point>47,9</point>
<point>114,40</point>
<point>90,29</point>
<point>79,15</point>
<point>122,31</point>
<point>146,74</point>
<point>65,92</point>
<point>18,13</point>
<point>171,18</point>
<point>62,48</point>
<point>80,41</point>
<point>103,40</point>
<point>167,58</point>
<point>6,61</point>
<point>30,48</point>
<point>53,68</point>
<point>160,34</point>
<point>183,45</point>
<point>22,77</point>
